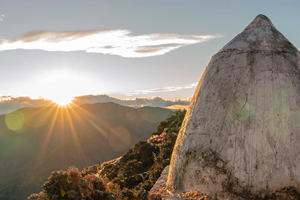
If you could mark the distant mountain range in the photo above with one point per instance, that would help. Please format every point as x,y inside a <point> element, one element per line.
<point>9,104</point>
<point>36,141</point>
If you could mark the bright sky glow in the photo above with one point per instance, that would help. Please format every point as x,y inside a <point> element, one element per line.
<point>133,48</point>
<point>60,86</point>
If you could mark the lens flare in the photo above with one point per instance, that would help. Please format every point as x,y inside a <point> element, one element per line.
<point>15,121</point>
<point>279,113</point>
<point>240,110</point>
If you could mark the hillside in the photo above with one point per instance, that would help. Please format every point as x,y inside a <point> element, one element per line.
<point>46,139</point>
<point>130,176</point>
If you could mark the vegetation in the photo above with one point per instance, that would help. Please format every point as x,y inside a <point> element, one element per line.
<point>46,141</point>
<point>72,185</point>
<point>129,177</point>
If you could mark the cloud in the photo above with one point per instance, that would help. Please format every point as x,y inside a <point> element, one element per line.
<point>114,42</point>
<point>1,17</point>
<point>165,89</point>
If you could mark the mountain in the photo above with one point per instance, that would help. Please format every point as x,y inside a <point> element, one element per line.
<point>9,104</point>
<point>36,141</point>
<point>130,176</point>
<point>137,102</point>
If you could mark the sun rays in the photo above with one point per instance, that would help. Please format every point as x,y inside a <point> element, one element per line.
<point>60,126</point>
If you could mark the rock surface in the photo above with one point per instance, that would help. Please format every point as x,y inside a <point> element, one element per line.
<point>241,134</point>
<point>158,190</point>
<point>260,34</point>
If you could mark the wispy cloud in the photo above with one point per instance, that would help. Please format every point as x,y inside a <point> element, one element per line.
<point>164,89</point>
<point>1,17</point>
<point>114,42</point>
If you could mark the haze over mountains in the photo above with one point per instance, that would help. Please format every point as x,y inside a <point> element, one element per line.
<point>36,141</point>
<point>9,104</point>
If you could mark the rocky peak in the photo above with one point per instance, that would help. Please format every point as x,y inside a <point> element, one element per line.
<point>260,35</point>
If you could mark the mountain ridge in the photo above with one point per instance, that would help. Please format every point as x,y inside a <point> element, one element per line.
<point>9,104</point>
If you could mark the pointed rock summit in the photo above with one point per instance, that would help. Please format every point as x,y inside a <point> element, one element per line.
<point>240,138</point>
<point>260,35</point>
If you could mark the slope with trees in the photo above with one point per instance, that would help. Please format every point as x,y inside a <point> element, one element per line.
<point>52,139</point>
<point>131,176</point>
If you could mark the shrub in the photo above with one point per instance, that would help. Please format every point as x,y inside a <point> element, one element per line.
<point>71,185</point>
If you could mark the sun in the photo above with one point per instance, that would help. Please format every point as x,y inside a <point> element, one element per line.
<point>62,101</point>
<point>61,91</point>
<point>60,86</point>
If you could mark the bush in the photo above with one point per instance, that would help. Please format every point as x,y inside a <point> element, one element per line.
<point>40,196</point>
<point>71,185</point>
<point>164,152</point>
<point>127,194</point>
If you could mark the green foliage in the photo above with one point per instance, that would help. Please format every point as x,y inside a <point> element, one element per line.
<point>127,194</point>
<point>71,185</point>
<point>164,152</point>
<point>139,159</point>
<point>118,180</point>
<point>90,170</point>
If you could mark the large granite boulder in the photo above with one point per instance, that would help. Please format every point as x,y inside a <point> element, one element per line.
<point>240,138</point>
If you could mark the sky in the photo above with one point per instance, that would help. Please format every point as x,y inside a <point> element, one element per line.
<point>127,48</point>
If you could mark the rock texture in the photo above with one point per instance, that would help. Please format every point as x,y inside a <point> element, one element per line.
<point>158,190</point>
<point>241,135</point>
